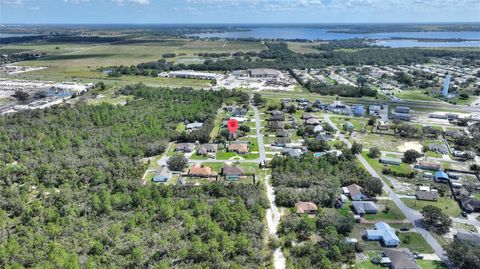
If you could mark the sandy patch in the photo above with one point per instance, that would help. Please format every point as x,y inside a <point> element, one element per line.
<point>410,145</point>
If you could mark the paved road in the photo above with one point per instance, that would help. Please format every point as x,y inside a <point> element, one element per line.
<point>413,216</point>
<point>258,125</point>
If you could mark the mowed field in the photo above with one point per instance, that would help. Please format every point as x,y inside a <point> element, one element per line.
<point>80,62</point>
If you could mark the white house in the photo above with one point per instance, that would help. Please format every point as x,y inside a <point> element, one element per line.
<point>384,233</point>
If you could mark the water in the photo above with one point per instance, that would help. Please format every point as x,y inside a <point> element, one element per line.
<point>323,34</point>
<point>5,35</point>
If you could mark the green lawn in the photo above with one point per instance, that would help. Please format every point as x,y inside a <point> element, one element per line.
<point>414,242</point>
<point>431,264</point>
<point>393,213</point>
<point>448,205</point>
<point>415,95</point>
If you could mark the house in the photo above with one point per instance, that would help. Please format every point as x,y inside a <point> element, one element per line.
<point>441,176</point>
<point>439,148</point>
<point>426,195</point>
<point>356,192</point>
<point>469,236</point>
<point>317,128</point>
<point>401,116</point>
<point>453,134</point>
<point>388,160</point>
<point>282,133</point>
<point>307,116</point>
<point>359,110</point>
<point>239,112</point>
<point>402,109</point>
<point>384,233</point>
<point>401,258</point>
<point>282,142</point>
<point>470,205</point>
<point>374,109</point>
<point>292,152</point>
<point>464,154</point>
<point>364,207</point>
<point>238,148</point>
<point>277,117</point>
<point>276,113</point>
<point>429,131</point>
<point>306,208</point>
<point>428,166</point>
<point>204,149</point>
<point>239,119</point>
<point>194,126</point>
<point>312,121</point>
<point>185,147</point>
<point>200,171</point>
<point>162,174</point>
<point>232,172</point>
<point>323,137</point>
<point>275,125</point>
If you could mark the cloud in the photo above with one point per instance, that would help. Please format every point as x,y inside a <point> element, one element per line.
<point>76,1</point>
<point>135,2</point>
<point>12,2</point>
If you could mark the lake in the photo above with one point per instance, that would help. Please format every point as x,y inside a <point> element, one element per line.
<point>323,34</point>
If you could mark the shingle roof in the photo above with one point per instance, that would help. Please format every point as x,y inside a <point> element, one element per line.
<point>354,189</point>
<point>401,258</point>
<point>232,170</point>
<point>305,206</point>
<point>363,207</point>
<point>200,171</point>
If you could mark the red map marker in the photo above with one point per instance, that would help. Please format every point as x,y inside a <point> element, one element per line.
<point>232,125</point>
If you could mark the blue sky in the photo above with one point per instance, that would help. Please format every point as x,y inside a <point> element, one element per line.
<point>237,11</point>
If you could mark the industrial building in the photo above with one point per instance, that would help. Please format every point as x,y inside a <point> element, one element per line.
<point>191,74</point>
<point>263,73</point>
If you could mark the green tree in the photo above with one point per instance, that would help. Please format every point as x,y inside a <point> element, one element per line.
<point>435,219</point>
<point>374,152</point>
<point>356,147</point>
<point>410,156</point>
<point>463,254</point>
<point>177,163</point>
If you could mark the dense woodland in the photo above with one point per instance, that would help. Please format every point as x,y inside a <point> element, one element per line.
<point>318,180</point>
<point>70,193</point>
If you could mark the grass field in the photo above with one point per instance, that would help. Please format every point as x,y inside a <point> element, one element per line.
<point>415,95</point>
<point>448,205</point>
<point>393,213</point>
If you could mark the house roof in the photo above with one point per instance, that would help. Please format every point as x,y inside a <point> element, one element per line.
<point>305,206</point>
<point>354,189</point>
<point>200,171</point>
<point>323,137</point>
<point>292,152</point>
<point>401,258</point>
<point>306,116</point>
<point>194,125</point>
<point>279,117</point>
<point>363,207</point>
<point>163,172</point>
<point>470,204</point>
<point>182,146</point>
<point>282,133</point>
<point>238,147</point>
<point>390,159</point>
<point>429,165</point>
<point>384,231</point>
<point>205,148</point>
<point>312,121</point>
<point>441,174</point>
<point>426,195</point>
<point>232,170</point>
<point>283,141</point>
<point>438,147</point>
<point>469,236</point>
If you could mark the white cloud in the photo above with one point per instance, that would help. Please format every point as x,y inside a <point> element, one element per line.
<point>76,1</point>
<point>12,2</point>
<point>135,2</point>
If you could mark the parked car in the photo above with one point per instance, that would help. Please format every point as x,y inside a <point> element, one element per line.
<point>404,229</point>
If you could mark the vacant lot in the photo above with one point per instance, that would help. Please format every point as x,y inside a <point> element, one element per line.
<point>448,205</point>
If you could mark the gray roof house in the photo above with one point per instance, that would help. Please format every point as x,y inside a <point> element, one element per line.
<point>162,174</point>
<point>440,148</point>
<point>277,118</point>
<point>185,147</point>
<point>194,126</point>
<point>282,133</point>
<point>312,121</point>
<point>292,152</point>
<point>401,258</point>
<point>323,137</point>
<point>389,160</point>
<point>204,149</point>
<point>364,207</point>
<point>282,142</point>
<point>426,195</point>
<point>307,116</point>
<point>469,236</point>
<point>384,233</point>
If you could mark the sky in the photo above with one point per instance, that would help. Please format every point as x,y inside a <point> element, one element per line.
<point>236,11</point>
